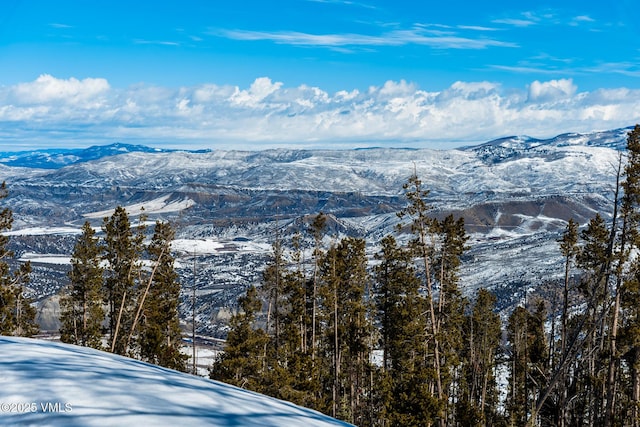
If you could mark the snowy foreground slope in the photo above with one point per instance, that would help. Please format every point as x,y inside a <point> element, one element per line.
<point>55,384</point>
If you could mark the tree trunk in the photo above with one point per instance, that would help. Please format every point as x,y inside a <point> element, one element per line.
<point>141,305</point>
<point>117,327</point>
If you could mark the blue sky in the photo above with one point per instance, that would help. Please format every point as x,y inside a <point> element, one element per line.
<point>313,73</point>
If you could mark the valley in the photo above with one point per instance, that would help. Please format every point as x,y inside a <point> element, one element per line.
<point>515,195</point>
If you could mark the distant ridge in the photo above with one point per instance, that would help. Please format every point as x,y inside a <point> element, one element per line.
<point>56,158</point>
<point>614,138</point>
<point>498,149</point>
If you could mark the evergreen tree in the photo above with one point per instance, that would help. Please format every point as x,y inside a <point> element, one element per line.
<point>242,363</point>
<point>423,246</point>
<point>347,333</point>
<point>159,331</point>
<point>569,249</point>
<point>397,299</point>
<point>407,398</point>
<point>479,393</point>
<point>594,259</point>
<point>122,251</point>
<point>277,348</point>
<point>451,307</point>
<point>528,363</point>
<point>628,297</point>
<point>518,396</point>
<point>273,279</point>
<point>538,360</point>
<point>317,230</point>
<point>439,245</point>
<point>290,373</point>
<point>17,315</point>
<point>82,313</point>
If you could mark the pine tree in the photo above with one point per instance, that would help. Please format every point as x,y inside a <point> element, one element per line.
<point>347,333</point>
<point>317,230</point>
<point>628,295</point>
<point>159,335</point>
<point>423,245</point>
<point>594,259</point>
<point>518,337</point>
<point>82,313</point>
<point>242,363</point>
<point>273,279</point>
<point>451,306</point>
<point>407,398</point>
<point>122,251</point>
<point>528,365</point>
<point>17,315</point>
<point>290,371</point>
<point>439,245</point>
<point>277,347</point>
<point>569,249</point>
<point>479,397</point>
<point>538,360</point>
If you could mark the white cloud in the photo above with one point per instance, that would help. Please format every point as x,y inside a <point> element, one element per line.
<point>577,20</point>
<point>59,25</point>
<point>71,112</point>
<point>344,95</point>
<point>476,28</point>
<point>211,93</point>
<point>394,89</point>
<point>553,90</point>
<point>260,89</point>
<point>47,89</point>
<point>515,22</point>
<point>156,42</point>
<point>470,90</point>
<point>417,36</point>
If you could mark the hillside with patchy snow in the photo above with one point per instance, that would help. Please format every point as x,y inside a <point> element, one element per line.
<point>515,194</point>
<point>45,383</point>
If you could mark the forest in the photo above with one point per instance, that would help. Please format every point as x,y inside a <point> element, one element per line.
<point>113,300</point>
<point>394,342</point>
<point>383,341</point>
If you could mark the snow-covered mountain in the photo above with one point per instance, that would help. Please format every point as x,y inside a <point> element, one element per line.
<point>46,383</point>
<point>58,158</point>
<point>515,194</point>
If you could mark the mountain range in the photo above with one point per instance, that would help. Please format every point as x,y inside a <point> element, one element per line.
<point>56,158</point>
<point>516,195</point>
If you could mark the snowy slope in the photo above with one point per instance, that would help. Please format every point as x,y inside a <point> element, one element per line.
<point>52,384</point>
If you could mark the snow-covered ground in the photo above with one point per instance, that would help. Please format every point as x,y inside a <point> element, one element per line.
<point>43,231</point>
<point>199,246</point>
<point>46,383</point>
<point>45,258</point>
<point>159,205</point>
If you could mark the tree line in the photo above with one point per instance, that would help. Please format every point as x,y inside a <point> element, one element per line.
<point>114,300</point>
<point>117,302</point>
<point>393,341</point>
<point>17,313</point>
